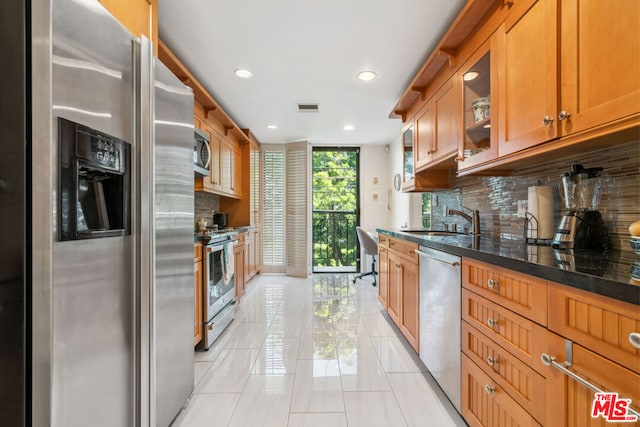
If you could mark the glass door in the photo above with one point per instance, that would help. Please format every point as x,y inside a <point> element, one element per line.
<point>479,142</point>
<point>335,209</point>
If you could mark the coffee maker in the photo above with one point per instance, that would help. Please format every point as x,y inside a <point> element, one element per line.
<point>581,226</point>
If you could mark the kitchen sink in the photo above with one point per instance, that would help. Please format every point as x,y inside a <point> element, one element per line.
<point>433,232</point>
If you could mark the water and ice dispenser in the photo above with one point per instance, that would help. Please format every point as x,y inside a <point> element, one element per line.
<point>94,183</point>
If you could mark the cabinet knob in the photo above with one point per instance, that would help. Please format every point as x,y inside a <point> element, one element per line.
<point>493,284</point>
<point>489,389</point>
<point>547,120</point>
<point>491,322</point>
<point>564,115</point>
<point>634,339</point>
<point>492,361</point>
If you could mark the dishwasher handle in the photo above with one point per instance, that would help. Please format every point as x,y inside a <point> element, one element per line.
<point>452,264</point>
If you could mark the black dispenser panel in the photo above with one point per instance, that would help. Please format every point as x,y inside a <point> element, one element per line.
<point>95,183</point>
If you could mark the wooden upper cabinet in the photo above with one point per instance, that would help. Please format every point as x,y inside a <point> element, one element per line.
<point>424,127</point>
<point>478,79</point>
<point>437,127</point>
<point>528,84</point>
<point>567,66</point>
<point>600,62</point>
<point>138,16</point>
<point>447,120</point>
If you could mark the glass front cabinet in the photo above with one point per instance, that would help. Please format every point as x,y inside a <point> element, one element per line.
<point>407,154</point>
<point>479,82</point>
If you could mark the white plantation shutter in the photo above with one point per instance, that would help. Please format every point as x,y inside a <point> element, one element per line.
<point>298,262</point>
<point>273,200</point>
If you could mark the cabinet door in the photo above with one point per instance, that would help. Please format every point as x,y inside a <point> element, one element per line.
<point>447,120</point>
<point>570,402</point>
<point>410,311</point>
<point>238,277</point>
<point>225,166</point>
<point>139,16</point>
<point>197,287</point>
<point>407,153</point>
<point>485,403</point>
<point>425,136</point>
<point>236,171</point>
<point>602,324</point>
<point>383,276</point>
<point>528,85</point>
<point>479,82</point>
<point>394,304</point>
<point>600,61</point>
<point>214,164</point>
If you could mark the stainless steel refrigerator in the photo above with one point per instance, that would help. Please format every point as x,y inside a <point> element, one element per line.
<point>112,226</point>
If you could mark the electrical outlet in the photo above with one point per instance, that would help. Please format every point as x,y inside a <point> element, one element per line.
<point>522,208</point>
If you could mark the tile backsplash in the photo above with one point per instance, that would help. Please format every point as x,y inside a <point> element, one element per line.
<point>204,204</point>
<point>497,197</point>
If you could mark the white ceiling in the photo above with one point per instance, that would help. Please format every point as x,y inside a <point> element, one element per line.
<point>303,51</point>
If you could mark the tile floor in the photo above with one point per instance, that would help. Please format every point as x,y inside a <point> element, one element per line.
<point>313,352</point>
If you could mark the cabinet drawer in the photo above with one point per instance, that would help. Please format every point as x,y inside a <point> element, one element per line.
<point>383,240</point>
<point>404,248</point>
<point>485,403</point>
<point>197,251</point>
<point>524,294</point>
<point>570,402</point>
<point>523,384</point>
<point>522,337</point>
<point>598,323</point>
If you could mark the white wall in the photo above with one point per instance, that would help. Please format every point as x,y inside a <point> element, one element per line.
<point>375,186</point>
<point>406,208</point>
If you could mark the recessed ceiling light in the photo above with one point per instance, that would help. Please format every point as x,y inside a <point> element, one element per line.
<point>366,76</point>
<point>272,127</point>
<point>467,77</point>
<point>348,127</point>
<point>243,73</point>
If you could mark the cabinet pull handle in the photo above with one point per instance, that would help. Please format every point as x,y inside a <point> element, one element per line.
<point>547,120</point>
<point>493,284</point>
<point>634,339</point>
<point>551,361</point>
<point>489,389</point>
<point>452,264</point>
<point>458,159</point>
<point>492,361</point>
<point>562,115</point>
<point>491,322</point>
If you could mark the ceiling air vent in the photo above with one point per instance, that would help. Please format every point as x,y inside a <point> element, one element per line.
<point>307,108</point>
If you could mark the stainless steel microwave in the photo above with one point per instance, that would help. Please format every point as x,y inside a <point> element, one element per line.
<point>201,153</point>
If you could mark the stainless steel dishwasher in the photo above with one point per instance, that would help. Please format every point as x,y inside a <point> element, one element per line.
<point>440,319</point>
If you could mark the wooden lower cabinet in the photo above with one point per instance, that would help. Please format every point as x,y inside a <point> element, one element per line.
<point>197,289</point>
<point>398,285</point>
<point>239,273</point>
<point>522,383</point>
<point>410,314</point>
<point>394,302</point>
<point>570,403</point>
<point>383,276</point>
<point>485,403</point>
<point>596,322</point>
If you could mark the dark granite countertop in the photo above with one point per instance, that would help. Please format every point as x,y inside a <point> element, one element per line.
<point>607,274</point>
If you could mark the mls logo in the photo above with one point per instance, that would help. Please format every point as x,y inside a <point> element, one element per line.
<point>612,408</point>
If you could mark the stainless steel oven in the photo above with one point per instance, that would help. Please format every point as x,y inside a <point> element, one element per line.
<point>219,287</point>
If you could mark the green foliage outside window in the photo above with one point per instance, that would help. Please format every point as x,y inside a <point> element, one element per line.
<point>426,210</point>
<point>335,200</point>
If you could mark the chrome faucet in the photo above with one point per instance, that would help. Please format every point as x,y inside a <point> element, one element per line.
<point>474,218</point>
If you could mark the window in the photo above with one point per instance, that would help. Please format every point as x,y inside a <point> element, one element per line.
<point>426,210</point>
